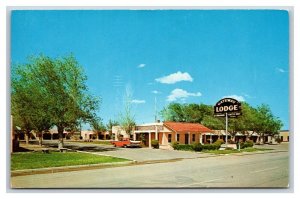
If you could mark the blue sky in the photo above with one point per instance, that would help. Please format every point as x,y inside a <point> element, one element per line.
<point>187,56</point>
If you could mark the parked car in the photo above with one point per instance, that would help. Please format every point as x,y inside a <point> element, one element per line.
<point>126,143</point>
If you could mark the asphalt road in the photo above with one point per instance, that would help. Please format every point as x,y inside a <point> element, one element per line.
<point>230,171</point>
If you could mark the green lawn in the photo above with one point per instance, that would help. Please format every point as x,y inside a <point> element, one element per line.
<point>33,160</point>
<point>107,142</point>
<point>234,151</point>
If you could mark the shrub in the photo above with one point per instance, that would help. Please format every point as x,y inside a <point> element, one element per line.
<point>219,141</point>
<point>211,146</point>
<point>175,145</point>
<point>182,147</point>
<point>155,144</point>
<point>248,143</point>
<point>197,147</point>
<point>185,147</point>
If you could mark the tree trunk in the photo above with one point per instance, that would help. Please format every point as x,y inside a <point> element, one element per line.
<point>60,130</point>
<point>26,138</point>
<point>258,139</point>
<point>41,138</point>
<point>261,139</point>
<point>233,138</point>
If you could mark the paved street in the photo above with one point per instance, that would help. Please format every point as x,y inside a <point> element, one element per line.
<point>255,170</point>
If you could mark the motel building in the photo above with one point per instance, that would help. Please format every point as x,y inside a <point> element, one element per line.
<point>284,136</point>
<point>168,132</point>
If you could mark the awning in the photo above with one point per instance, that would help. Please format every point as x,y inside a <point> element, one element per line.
<point>144,132</point>
<point>208,134</point>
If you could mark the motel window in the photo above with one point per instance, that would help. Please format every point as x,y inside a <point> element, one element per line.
<point>178,136</point>
<point>193,138</point>
<point>169,137</point>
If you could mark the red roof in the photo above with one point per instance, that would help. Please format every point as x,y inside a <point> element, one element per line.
<point>180,127</point>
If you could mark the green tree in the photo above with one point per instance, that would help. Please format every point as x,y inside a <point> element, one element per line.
<point>212,122</point>
<point>260,119</point>
<point>98,126</point>
<point>173,112</point>
<point>193,113</point>
<point>265,122</point>
<point>242,123</point>
<point>109,126</point>
<point>28,110</point>
<point>62,85</point>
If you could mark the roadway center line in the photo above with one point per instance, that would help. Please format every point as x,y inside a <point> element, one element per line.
<point>257,171</point>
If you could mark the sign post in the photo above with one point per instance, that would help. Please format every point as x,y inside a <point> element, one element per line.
<point>227,107</point>
<point>226,131</point>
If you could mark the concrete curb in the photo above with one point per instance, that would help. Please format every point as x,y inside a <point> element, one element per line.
<point>257,153</point>
<point>69,168</point>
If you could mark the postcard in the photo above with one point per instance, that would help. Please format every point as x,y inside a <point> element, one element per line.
<point>150,98</point>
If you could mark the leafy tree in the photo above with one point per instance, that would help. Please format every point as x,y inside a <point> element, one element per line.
<point>195,113</point>
<point>260,119</point>
<point>212,122</point>
<point>173,112</point>
<point>28,110</point>
<point>61,85</point>
<point>109,126</point>
<point>242,123</point>
<point>98,126</point>
<point>265,122</point>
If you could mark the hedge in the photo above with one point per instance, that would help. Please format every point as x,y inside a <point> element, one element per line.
<point>155,144</point>
<point>248,143</point>
<point>187,147</point>
<point>211,146</point>
<point>184,147</point>
<point>198,147</point>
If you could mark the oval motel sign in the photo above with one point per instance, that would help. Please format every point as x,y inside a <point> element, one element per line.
<point>227,105</point>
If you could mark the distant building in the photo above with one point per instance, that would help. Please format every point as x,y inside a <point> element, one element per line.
<point>88,134</point>
<point>284,136</point>
<point>118,133</point>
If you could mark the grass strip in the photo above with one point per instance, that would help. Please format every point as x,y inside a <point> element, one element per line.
<point>34,160</point>
<point>95,142</point>
<point>234,151</point>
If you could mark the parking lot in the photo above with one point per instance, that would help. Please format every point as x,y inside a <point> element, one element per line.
<point>145,154</point>
<point>137,154</point>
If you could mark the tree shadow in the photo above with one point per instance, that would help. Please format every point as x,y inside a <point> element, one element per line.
<point>22,149</point>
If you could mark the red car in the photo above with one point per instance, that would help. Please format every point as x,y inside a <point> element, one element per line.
<point>126,143</point>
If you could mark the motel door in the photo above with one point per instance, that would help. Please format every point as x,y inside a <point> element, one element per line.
<point>186,138</point>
